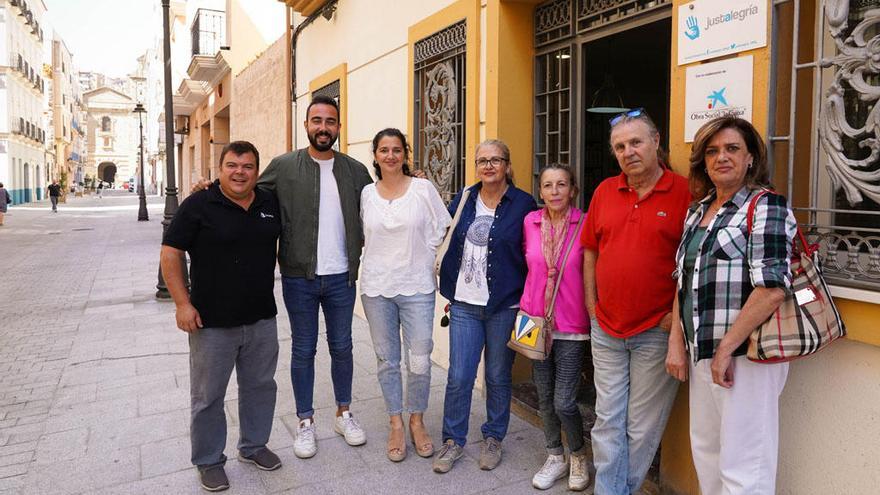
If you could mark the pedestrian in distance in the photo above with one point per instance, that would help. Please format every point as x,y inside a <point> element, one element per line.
<point>100,189</point>
<point>482,274</point>
<point>5,201</point>
<point>230,232</point>
<point>547,233</point>
<point>54,193</point>
<point>730,280</point>
<point>404,222</point>
<point>632,230</point>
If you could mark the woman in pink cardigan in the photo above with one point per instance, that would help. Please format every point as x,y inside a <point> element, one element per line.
<point>546,235</point>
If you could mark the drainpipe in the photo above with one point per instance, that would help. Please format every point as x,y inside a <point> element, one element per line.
<point>327,11</point>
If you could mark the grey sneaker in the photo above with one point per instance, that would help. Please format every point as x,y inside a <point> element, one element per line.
<point>264,459</point>
<point>446,457</point>
<point>579,473</point>
<point>213,479</point>
<point>490,454</point>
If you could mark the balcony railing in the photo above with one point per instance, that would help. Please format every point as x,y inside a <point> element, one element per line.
<point>208,32</point>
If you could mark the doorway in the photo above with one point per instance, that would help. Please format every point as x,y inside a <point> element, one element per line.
<point>630,69</point>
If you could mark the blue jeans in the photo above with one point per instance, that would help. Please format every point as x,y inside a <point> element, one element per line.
<point>634,396</point>
<point>302,297</point>
<point>213,352</point>
<point>556,380</point>
<point>471,330</point>
<point>415,316</point>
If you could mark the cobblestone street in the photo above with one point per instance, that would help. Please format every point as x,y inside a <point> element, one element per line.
<point>94,378</point>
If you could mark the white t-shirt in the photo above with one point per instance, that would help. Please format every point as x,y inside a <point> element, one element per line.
<point>472,286</point>
<point>332,258</point>
<point>400,240</point>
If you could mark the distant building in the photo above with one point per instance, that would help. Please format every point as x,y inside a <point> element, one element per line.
<point>23,169</point>
<point>67,114</point>
<point>112,131</point>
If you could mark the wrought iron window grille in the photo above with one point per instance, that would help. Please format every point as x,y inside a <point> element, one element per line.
<point>839,207</point>
<point>440,108</point>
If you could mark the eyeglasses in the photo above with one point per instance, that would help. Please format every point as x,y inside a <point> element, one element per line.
<point>636,112</point>
<point>496,161</point>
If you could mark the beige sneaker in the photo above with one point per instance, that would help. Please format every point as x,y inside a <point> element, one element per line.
<point>446,457</point>
<point>490,454</point>
<point>578,473</point>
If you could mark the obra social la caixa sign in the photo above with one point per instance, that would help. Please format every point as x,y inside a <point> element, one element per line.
<point>714,28</point>
<point>716,89</point>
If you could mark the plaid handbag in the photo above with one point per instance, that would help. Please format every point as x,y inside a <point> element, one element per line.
<point>807,319</point>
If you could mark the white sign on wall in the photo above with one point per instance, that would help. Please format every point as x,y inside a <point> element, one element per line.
<point>713,28</point>
<point>716,89</point>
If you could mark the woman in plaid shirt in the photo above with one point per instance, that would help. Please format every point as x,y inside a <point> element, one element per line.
<point>730,280</point>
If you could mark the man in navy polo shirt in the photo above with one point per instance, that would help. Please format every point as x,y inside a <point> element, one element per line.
<point>231,234</point>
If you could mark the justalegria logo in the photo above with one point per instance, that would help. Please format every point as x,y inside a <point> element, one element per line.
<point>730,16</point>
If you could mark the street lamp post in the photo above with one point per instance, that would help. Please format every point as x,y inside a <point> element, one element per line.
<point>142,197</point>
<point>170,176</point>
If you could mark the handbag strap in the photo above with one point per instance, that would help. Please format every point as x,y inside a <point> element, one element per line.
<point>464,198</point>
<point>805,246</point>
<point>571,242</point>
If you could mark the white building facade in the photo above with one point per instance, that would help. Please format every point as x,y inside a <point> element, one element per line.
<point>23,169</point>
<point>112,135</point>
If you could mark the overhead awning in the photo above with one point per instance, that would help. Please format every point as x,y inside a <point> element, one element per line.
<point>304,7</point>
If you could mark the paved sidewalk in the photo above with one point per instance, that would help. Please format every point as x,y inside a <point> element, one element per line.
<point>94,379</point>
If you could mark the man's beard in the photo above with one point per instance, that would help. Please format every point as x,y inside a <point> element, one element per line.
<point>313,140</point>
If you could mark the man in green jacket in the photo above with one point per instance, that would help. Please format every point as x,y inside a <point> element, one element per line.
<point>319,192</point>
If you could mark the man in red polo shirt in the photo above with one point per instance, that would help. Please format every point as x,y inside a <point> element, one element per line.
<point>633,228</point>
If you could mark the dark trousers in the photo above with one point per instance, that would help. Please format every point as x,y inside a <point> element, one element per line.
<point>556,380</point>
<point>302,297</point>
<point>213,352</point>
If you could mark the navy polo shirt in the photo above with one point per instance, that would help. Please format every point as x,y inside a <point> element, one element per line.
<point>506,268</point>
<point>232,253</point>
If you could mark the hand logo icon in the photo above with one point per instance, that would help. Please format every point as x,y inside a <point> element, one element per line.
<point>693,29</point>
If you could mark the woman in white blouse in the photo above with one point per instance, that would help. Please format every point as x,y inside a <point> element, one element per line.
<point>404,221</point>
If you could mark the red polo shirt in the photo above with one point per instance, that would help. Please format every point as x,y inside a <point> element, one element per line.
<point>636,240</point>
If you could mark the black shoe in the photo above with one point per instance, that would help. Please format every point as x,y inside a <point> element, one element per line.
<point>214,479</point>
<point>264,459</point>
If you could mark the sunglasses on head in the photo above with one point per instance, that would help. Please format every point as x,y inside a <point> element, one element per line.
<point>636,112</point>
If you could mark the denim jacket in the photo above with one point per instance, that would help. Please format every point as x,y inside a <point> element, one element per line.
<point>506,270</point>
<point>296,179</point>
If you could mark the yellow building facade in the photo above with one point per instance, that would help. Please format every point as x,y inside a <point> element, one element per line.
<point>452,73</point>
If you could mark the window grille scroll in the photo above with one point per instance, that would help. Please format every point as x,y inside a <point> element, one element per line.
<point>440,107</point>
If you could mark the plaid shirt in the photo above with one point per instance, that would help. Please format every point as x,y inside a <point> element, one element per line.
<point>730,262</point>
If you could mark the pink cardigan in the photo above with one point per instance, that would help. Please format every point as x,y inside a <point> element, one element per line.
<point>571,311</point>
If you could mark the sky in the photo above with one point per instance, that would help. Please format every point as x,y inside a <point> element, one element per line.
<point>106,36</point>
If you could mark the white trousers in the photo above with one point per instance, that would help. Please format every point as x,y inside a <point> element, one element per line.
<point>735,432</point>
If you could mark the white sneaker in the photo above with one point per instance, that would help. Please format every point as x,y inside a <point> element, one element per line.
<point>554,468</point>
<point>579,474</point>
<point>349,428</point>
<point>305,445</point>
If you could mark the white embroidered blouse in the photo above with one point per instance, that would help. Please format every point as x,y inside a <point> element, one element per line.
<point>401,237</point>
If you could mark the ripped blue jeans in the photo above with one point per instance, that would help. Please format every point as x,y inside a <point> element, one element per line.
<point>412,316</point>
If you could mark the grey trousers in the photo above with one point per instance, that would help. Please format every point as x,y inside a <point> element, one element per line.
<point>556,381</point>
<point>213,352</point>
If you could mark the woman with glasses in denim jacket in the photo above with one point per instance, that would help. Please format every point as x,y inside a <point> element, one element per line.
<point>730,280</point>
<point>482,274</point>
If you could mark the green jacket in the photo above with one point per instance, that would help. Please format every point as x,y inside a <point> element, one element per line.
<point>296,180</point>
